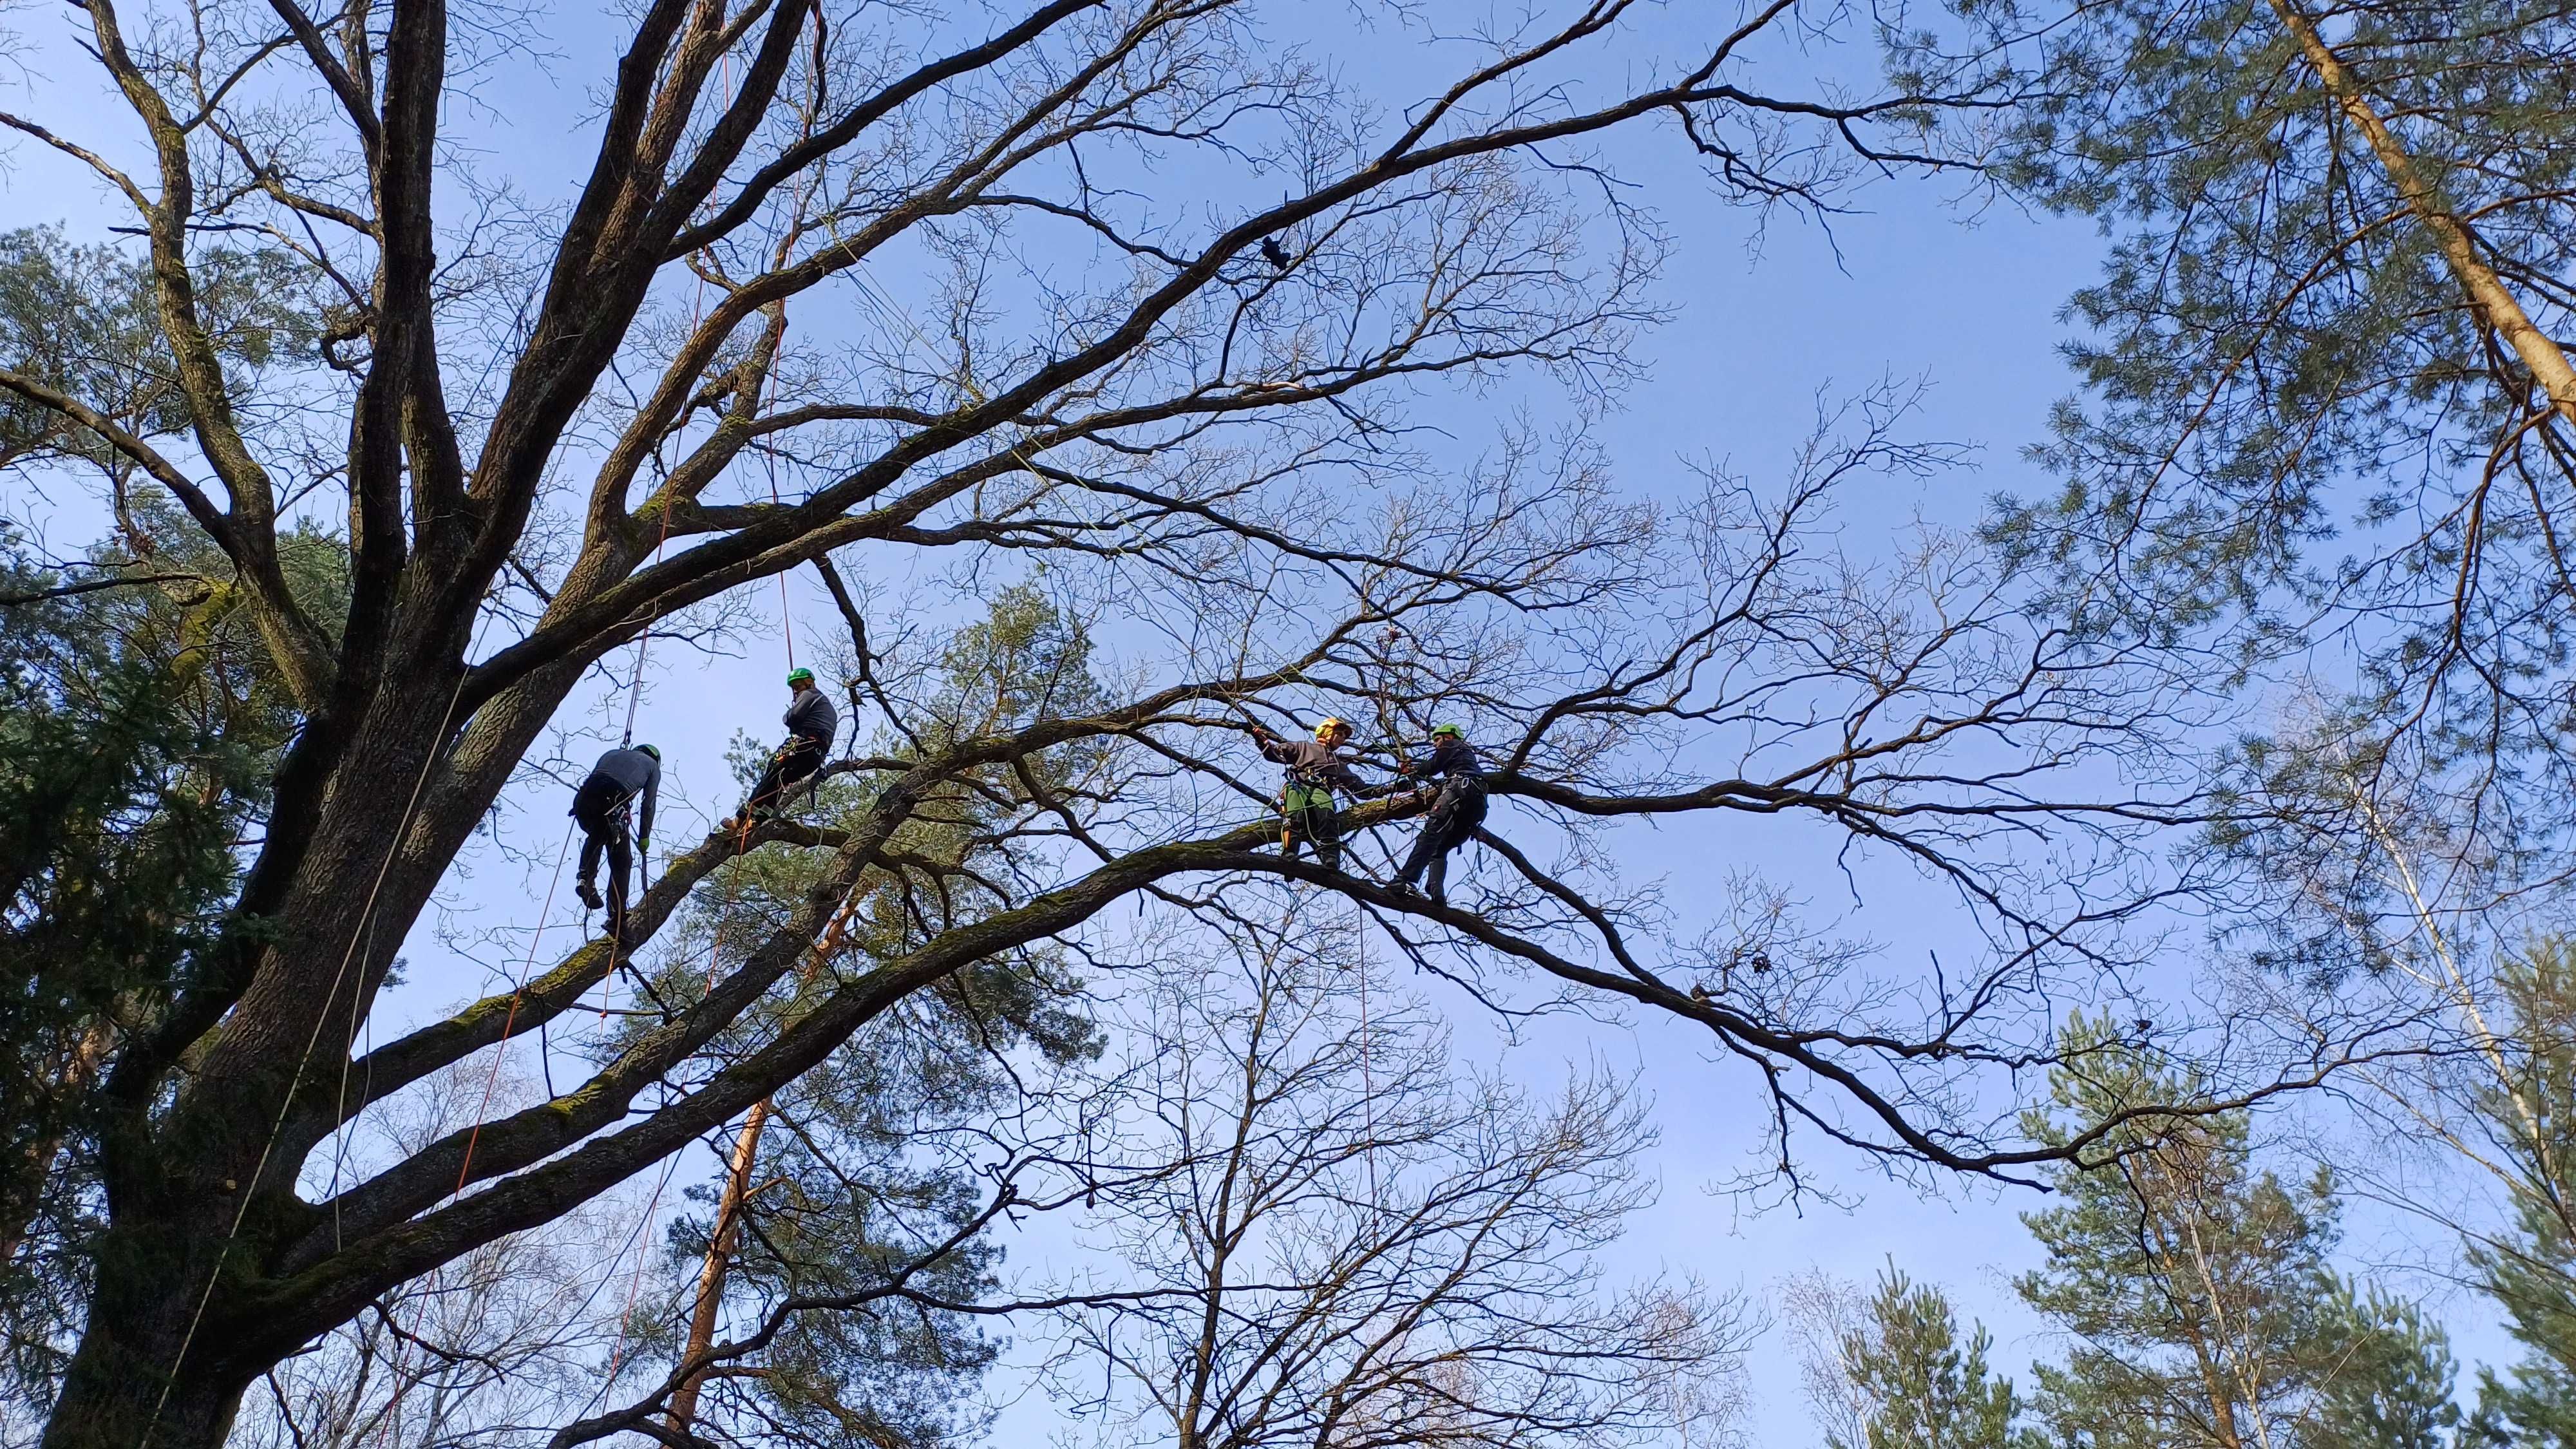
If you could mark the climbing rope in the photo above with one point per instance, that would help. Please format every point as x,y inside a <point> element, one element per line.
<point>510,1022</point>
<point>644,640</point>
<point>1368,1084</point>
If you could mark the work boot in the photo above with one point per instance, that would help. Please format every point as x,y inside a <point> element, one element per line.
<point>589,895</point>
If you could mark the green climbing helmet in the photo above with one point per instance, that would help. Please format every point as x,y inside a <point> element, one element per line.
<point>649,750</point>
<point>800,676</point>
<point>1447,729</point>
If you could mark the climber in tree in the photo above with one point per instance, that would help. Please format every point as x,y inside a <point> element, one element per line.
<point>811,723</point>
<point>1456,810</point>
<point>600,807</point>
<point>1316,768</point>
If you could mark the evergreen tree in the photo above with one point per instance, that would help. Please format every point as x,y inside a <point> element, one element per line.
<point>881,1149</point>
<point>139,720</point>
<point>1925,1389</point>
<point>2529,1269</point>
<point>2194,1285</point>
<point>2321,391</point>
<point>2388,1377</point>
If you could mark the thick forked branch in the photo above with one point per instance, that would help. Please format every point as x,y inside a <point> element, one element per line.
<point>609,255</point>
<point>400,414</point>
<point>333,1286</point>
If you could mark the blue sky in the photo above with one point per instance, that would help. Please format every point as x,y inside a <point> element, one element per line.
<point>1911,286</point>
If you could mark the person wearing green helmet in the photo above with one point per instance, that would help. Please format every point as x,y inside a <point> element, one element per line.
<point>1456,810</point>
<point>811,723</point>
<point>600,808</point>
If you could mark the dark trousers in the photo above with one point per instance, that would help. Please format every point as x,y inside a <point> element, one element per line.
<point>599,808</point>
<point>790,764</point>
<point>1454,816</point>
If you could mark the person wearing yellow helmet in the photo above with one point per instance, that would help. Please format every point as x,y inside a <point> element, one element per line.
<point>811,723</point>
<point>1315,769</point>
<point>1457,809</point>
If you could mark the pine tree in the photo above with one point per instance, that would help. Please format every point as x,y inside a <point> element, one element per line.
<point>2530,1268</point>
<point>2388,1380</point>
<point>2324,328</point>
<point>139,718</point>
<point>1925,1389</point>
<point>871,1155</point>
<point>2195,1288</point>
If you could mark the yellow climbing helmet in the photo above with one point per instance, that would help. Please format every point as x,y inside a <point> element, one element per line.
<point>1332,726</point>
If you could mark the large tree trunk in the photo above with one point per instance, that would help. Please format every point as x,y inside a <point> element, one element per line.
<point>395,813</point>
<point>119,1392</point>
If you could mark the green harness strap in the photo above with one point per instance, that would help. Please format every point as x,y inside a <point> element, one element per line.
<point>1297,799</point>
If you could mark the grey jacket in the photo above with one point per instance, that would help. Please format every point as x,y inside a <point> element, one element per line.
<point>1311,762</point>
<point>638,774</point>
<point>812,717</point>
